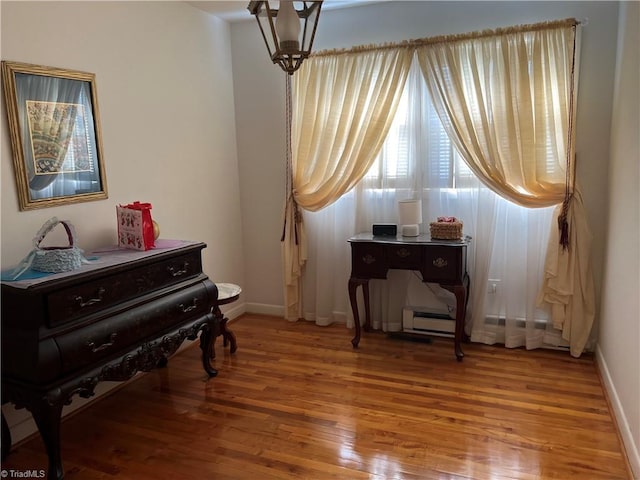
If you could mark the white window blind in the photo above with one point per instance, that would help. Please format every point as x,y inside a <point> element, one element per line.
<point>417,145</point>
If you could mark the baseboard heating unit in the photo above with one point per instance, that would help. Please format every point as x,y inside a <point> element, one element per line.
<point>427,323</point>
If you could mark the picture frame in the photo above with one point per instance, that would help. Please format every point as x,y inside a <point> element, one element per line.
<point>54,126</point>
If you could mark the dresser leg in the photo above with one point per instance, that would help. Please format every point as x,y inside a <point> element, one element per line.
<point>217,313</point>
<point>207,336</point>
<point>47,415</point>
<point>6,438</point>
<point>228,336</point>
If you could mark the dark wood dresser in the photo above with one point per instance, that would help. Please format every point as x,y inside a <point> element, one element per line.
<point>126,311</point>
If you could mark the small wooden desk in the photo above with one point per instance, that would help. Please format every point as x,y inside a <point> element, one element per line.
<point>439,261</point>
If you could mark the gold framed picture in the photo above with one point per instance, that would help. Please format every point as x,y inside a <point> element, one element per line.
<point>54,125</point>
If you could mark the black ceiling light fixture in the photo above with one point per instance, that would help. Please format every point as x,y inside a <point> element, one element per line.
<point>287,31</point>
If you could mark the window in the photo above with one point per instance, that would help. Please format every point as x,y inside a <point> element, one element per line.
<point>417,145</point>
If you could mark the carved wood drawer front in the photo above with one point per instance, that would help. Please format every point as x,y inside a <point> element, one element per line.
<point>109,337</point>
<point>368,261</point>
<point>443,264</point>
<point>404,256</point>
<point>74,302</point>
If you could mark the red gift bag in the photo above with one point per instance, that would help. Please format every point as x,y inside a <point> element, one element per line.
<point>135,226</point>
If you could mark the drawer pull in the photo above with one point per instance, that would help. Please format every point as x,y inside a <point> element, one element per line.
<point>368,259</point>
<point>188,308</point>
<point>91,301</point>
<point>440,262</point>
<point>176,273</point>
<point>94,349</point>
<point>403,253</point>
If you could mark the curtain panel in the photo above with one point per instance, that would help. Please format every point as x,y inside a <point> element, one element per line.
<point>344,105</point>
<point>507,102</point>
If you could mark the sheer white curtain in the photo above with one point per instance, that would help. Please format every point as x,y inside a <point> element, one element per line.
<point>418,158</point>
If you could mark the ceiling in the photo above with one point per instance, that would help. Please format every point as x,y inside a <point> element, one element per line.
<point>236,10</point>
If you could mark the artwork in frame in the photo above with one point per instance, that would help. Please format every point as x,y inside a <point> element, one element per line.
<point>54,125</point>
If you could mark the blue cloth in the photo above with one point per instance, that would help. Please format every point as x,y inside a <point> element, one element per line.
<point>7,275</point>
<point>29,274</point>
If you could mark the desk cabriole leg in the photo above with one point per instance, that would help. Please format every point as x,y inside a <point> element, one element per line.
<point>461,309</point>
<point>461,302</point>
<point>353,286</point>
<point>467,286</point>
<point>367,307</point>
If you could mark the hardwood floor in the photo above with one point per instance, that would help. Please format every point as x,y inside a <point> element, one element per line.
<point>296,401</point>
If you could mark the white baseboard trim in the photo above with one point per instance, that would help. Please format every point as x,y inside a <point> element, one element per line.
<point>630,446</point>
<point>265,309</point>
<point>233,311</point>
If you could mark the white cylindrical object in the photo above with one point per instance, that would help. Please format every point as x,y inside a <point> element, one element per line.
<point>288,26</point>
<point>410,215</point>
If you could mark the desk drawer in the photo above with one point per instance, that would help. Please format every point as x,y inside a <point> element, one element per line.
<point>445,264</point>
<point>111,336</point>
<point>368,261</point>
<point>404,257</point>
<point>74,302</point>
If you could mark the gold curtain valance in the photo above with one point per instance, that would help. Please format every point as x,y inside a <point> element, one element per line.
<point>456,37</point>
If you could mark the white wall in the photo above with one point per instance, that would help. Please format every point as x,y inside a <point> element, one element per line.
<point>165,93</point>
<point>618,352</point>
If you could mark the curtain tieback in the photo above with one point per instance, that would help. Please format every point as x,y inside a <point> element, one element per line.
<point>297,219</point>
<point>563,223</point>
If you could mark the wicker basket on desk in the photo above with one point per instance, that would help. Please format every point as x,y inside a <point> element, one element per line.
<point>450,230</point>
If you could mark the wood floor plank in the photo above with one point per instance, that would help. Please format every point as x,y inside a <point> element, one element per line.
<point>297,401</point>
